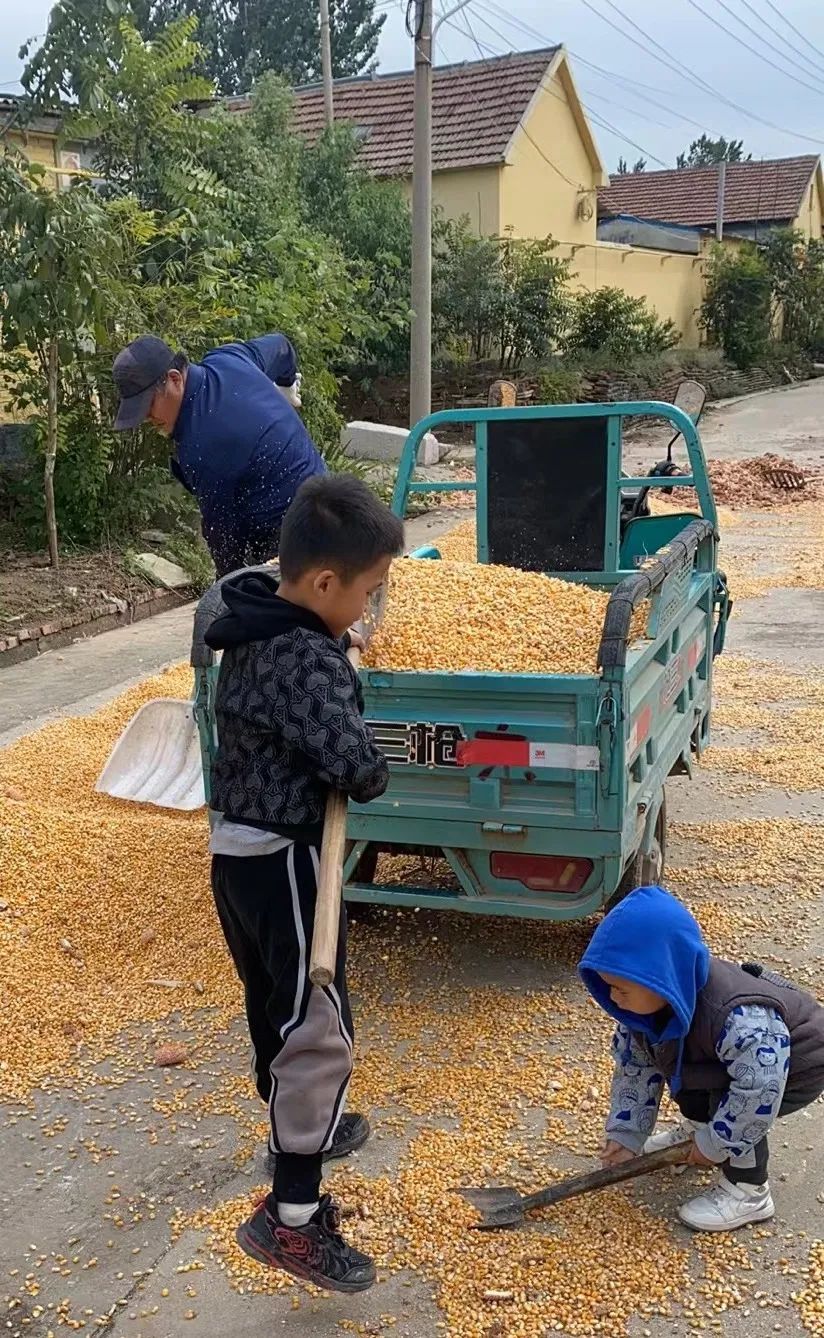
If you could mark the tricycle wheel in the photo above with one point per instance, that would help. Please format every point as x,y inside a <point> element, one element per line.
<point>367,865</point>
<point>646,868</point>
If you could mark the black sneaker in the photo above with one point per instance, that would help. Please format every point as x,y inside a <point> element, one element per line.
<point>351,1134</point>
<point>316,1252</point>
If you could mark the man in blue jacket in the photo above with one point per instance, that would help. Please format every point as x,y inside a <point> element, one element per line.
<point>240,446</point>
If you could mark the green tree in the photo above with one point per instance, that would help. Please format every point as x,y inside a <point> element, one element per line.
<point>705,151</point>
<point>496,298</point>
<point>796,270</point>
<point>369,218</point>
<point>467,294</point>
<point>608,320</point>
<point>736,311</point>
<point>536,305</point>
<point>82,39</point>
<point>240,40</point>
<point>217,240</point>
<point>147,140</point>
<point>56,251</point>
<point>622,170</point>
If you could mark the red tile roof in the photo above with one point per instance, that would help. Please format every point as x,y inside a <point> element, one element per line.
<point>476,109</point>
<point>753,192</point>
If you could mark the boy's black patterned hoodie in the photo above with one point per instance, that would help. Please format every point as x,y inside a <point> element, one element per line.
<point>288,713</point>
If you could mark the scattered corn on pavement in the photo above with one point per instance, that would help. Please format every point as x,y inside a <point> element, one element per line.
<point>478,1058</point>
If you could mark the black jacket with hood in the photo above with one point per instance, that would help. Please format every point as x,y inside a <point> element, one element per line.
<point>288,713</point>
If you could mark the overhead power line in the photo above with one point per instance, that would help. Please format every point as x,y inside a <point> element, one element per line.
<point>595,116</point>
<point>754,50</point>
<point>793,28</point>
<point>817,69</point>
<point>612,75</point>
<point>664,58</point>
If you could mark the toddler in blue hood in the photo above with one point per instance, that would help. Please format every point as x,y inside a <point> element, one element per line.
<point>737,1045</point>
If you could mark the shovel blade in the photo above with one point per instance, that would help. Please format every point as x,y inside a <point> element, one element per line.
<point>498,1207</point>
<point>156,760</point>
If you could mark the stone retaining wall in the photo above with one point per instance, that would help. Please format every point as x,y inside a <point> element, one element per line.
<point>386,399</point>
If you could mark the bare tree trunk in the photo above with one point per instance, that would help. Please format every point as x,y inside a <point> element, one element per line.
<point>51,454</point>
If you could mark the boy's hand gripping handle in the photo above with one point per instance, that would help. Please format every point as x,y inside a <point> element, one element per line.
<point>330,881</point>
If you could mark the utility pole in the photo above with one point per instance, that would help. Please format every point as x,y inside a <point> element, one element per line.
<point>719,204</point>
<point>420,352</point>
<point>326,64</point>
<point>420,360</point>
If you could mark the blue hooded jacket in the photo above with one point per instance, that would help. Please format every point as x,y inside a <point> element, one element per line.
<point>651,939</point>
<point>240,446</point>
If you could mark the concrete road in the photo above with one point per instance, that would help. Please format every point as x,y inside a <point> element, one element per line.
<point>785,422</point>
<point>788,421</point>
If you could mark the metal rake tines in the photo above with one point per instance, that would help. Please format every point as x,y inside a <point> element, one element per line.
<point>790,480</point>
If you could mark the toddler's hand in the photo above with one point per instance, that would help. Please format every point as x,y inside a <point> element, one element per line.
<point>696,1156</point>
<point>356,641</point>
<point>614,1154</point>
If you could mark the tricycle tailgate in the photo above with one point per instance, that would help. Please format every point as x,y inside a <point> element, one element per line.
<point>472,746</point>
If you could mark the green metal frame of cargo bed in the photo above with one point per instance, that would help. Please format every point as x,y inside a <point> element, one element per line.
<point>614,413</point>
<point>398,829</point>
<point>395,829</point>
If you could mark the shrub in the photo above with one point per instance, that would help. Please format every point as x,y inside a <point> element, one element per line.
<point>559,385</point>
<point>736,311</point>
<point>796,270</point>
<point>609,321</point>
<point>494,299</point>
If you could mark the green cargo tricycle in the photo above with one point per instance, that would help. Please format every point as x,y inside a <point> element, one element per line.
<point>544,793</point>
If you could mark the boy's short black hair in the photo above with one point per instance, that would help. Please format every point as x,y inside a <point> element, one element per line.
<point>335,520</point>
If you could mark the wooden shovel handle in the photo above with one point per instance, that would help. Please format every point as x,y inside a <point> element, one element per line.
<point>608,1175</point>
<point>330,880</point>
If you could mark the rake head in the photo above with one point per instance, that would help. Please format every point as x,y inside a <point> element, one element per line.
<point>789,480</point>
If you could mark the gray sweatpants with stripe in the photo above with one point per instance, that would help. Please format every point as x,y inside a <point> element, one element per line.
<point>301,1035</point>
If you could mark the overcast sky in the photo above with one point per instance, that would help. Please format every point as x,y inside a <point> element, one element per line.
<point>790,97</point>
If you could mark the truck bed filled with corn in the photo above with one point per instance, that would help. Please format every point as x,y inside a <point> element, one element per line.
<point>459,615</point>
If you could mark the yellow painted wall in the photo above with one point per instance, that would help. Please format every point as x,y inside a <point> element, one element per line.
<point>37,148</point>
<point>537,199</point>
<point>671,283</point>
<point>809,219</point>
<point>474,192</point>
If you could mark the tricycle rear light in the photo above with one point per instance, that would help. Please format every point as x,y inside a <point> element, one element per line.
<point>541,873</point>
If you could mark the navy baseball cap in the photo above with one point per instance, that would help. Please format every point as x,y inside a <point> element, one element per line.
<point>136,372</point>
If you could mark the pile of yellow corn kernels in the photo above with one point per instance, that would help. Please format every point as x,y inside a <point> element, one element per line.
<point>457,615</point>
<point>106,906</point>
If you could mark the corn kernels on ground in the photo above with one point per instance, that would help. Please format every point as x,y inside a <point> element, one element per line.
<point>810,1300</point>
<point>454,616</point>
<point>99,899</point>
<point>460,543</point>
<point>434,1045</point>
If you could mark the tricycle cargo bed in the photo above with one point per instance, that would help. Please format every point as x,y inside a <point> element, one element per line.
<point>544,793</point>
<point>546,784</point>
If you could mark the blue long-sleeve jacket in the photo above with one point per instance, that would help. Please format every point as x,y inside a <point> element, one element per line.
<point>241,448</point>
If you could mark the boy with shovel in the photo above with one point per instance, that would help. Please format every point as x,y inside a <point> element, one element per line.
<point>738,1046</point>
<point>289,723</point>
